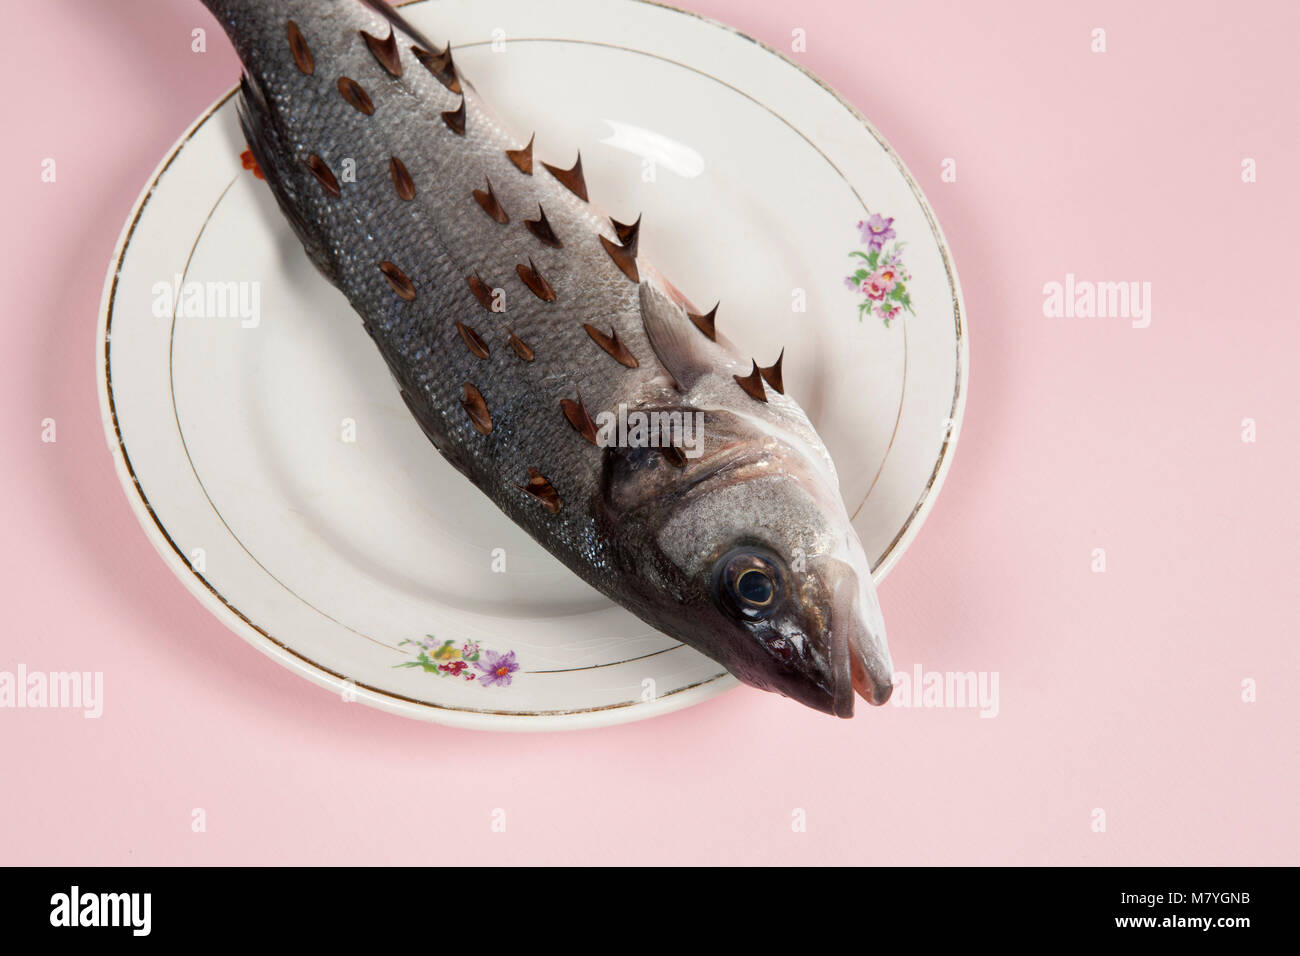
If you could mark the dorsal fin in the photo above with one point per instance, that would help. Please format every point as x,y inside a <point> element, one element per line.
<point>680,348</point>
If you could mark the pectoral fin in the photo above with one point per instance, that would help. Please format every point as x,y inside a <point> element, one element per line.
<point>676,341</point>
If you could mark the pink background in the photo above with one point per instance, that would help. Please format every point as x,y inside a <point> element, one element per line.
<point>1119,691</point>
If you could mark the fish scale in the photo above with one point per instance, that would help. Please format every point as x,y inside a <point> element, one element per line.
<point>373,223</point>
<point>398,185</point>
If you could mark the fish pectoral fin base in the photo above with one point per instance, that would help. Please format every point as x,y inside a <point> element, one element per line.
<point>686,354</point>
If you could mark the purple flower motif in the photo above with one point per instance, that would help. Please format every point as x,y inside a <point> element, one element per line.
<point>497,668</point>
<point>876,231</point>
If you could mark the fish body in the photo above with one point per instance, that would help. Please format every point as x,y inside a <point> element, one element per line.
<point>513,312</point>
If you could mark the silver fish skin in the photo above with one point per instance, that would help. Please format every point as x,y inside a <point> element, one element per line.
<point>745,552</point>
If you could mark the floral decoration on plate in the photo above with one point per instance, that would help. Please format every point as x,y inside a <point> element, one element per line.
<point>467,660</point>
<point>882,281</point>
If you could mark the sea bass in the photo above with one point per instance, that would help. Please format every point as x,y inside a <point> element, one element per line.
<point>515,317</point>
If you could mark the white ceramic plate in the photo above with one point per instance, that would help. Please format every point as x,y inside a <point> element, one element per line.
<point>232,437</point>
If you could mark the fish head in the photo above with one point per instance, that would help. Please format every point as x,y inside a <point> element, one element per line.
<point>746,552</point>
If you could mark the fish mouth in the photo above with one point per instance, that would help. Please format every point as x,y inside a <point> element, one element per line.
<point>860,661</point>
<point>874,688</point>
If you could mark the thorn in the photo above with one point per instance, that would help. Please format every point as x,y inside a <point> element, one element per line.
<point>434,62</point>
<point>579,418</point>
<point>476,409</point>
<point>440,65</point>
<point>521,348</point>
<point>398,280</point>
<point>491,205</point>
<point>540,228</point>
<point>613,345</point>
<point>707,323</point>
<point>356,96</point>
<point>571,179</point>
<point>482,291</point>
<point>534,280</point>
<point>673,455</point>
<point>300,50</point>
<point>402,180</point>
<point>455,119</point>
<point>628,235</point>
<point>752,384</point>
<point>542,490</point>
<point>385,51</point>
<point>473,341</point>
<point>523,158</point>
<point>323,175</point>
<point>623,257</point>
<point>772,374</point>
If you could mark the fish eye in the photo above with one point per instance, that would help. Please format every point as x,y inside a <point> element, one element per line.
<point>748,583</point>
<point>755,587</point>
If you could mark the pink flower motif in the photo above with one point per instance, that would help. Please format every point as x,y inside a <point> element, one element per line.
<point>880,283</point>
<point>881,277</point>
